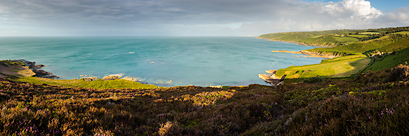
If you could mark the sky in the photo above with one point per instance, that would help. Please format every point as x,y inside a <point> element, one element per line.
<point>194,17</point>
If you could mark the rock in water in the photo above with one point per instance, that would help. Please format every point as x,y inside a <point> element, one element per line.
<point>134,79</point>
<point>90,78</point>
<point>111,77</point>
<point>271,71</point>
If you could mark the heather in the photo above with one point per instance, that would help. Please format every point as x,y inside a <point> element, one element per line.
<point>372,103</point>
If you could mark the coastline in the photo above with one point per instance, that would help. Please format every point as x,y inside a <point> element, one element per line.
<point>25,69</point>
<point>299,43</point>
<point>311,54</point>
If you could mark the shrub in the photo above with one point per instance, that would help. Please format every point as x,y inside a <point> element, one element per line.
<point>314,80</point>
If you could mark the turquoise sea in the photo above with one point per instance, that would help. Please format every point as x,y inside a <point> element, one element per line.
<point>200,61</point>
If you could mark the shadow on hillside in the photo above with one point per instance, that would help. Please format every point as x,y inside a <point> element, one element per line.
<point>358,67</point>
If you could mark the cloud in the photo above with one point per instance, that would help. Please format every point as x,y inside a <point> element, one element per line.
<point>401,14</point>
<point>346,14</point>
<point>361,8</point>
<point>190,17</point>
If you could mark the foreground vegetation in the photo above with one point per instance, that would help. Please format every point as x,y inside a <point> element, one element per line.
<point>370,104</point>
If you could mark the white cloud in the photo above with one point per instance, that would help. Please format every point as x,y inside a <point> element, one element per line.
<point>362,9</point>
<point>401,14</point>
<point>356,9</point>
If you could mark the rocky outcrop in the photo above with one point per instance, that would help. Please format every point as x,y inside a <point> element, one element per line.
<point>133,79</point>
<point>271,71</point>
<point>272,79</point>
<point>112,77</point>
<point>299,43</point>
<point>36,69</point>
<point>89,78</point>
<point>13,69</point>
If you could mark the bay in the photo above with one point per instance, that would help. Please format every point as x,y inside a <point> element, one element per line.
<point>165,61</point>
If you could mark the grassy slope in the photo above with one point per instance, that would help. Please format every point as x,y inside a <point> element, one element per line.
<point>358,47</point>
<point>337,67</point>
<point>97,84</point>
<point>384,44</point>
<point>370,104</point>
<point>404,32</point>
<point>396,46</point>
<point>358,36</point>
<point>327,38</point>
<point>347,42</point>
<point>369,33</point>
<point>390,61</point>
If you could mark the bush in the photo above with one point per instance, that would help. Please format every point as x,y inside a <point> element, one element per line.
<point>314,80</point>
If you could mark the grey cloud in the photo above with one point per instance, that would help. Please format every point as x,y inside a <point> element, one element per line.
<point>190,11</point>
<point>187,17</point>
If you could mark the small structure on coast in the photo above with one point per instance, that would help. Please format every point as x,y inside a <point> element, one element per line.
<point>272,79</point>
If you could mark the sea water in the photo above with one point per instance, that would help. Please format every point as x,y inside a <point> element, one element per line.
<point>165,61</point>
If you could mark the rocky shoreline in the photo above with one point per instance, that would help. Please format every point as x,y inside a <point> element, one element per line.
<point>36,69</point>
<point>276,81</point>
<point>299,43</point>
<point>310,54</point>
<point>272,79</point>
<point>37,72</point>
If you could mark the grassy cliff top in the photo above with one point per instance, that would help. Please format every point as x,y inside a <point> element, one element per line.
<point>333,38</point>
<point>357,50</point>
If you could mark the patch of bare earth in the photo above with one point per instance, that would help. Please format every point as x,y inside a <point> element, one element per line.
<point>15,70</point>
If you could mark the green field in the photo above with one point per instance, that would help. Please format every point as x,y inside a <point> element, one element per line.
<point>403,32</point>
<point>384,44</point>
<point>324,38</point>
<point>346,39</point>
<point>396,46</point>
<point>337,67</point>
<point>390,61</point>
<point>354,48</point>
<point>358,36</point>
<point>370,33</point>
